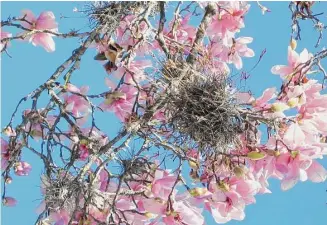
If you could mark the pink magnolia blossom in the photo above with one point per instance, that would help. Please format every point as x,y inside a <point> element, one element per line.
<point>60,217</point>
<point>184,213</point>
<point>84,145</point>
<point>155,206</point>
<point>262,102</point>
<point>121,101</point>
<point>294,136</point>
<point>229,198</point>
<point>184,32</point>
<point>4,154</point>
<point>234,50</point>
<point>83,152</point>
<point>128,35</point>
<point>294,60</point>
<point>3,35</point>
<point>9,131</point>
<point>99,215</point>
<point>34,126</point>
<point>312,119</point>
<point>226,206</point>
<point>262,177</point>
<point>229,20</point>
<point>133,72</point>
<point>244,98</point>
<point>22,168</point>
<point>293,167</point>
<point>9,201</point>
<point>298,95</point>
<point>246,188</point>
<point>160,116</point>
<point>77,105</point>
<point>162,184</point>
<point>266,167</point>
<point>46,21</point>
<point>103,180</point>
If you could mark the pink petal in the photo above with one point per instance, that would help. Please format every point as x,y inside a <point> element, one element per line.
<point>244,97</point>
<point>152,206</point>
<point>29,17</point>
<point>288,183</point>
<point>281,70</point>
<point>316,172</point>
<point>4,34</point>
<point>9,201</point>
<point>72,88</point>
<point>294,135</point>
<point>293,57</point>
<point>237,61</point>
<point>217,216</point>
<point>304,56</point>
<point>216,49</point>
<point>248,53</point>
<point>244,40</point>
<point>44,40</point>
<point>267,95</point>
<point>282,162</point>
<point>46,21</point>
<point>84,89</point>
<point>142,64</point>
<point>124,204</point>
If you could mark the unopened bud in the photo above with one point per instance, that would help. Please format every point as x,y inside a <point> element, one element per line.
<point>8,180</point>
<point>254,155</point>
<point>149,215</point>
<point>195,192</point>
<point>193,164</point>
<point>279,107</point>
<point>238,171</point>
<point>9,131</point>
<point>84,142</point>
<point>293,102</point>
<point>223,186</point>
<point>293,44</point>
<point>294,154</point>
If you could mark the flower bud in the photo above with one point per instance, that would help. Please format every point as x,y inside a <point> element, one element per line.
<point>279,107</point>
<point>293,102</point>
<point>293,44</point>
<point>9,201</point>
<point>193,164</point>
<point>254,155</point>
<point>9,131</point>
<point>196,192</point>
<point>238,171</point>
<point>8,180</point>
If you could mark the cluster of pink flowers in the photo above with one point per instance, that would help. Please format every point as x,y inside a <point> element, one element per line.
<point>290,155</point>
<point>226,47</point>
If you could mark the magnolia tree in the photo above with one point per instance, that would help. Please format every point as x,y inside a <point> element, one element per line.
<point>190,140</point>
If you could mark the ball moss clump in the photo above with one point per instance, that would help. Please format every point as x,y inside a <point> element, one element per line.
<point>201,108</point>
<point>108,14</point>
<point>61,192</point>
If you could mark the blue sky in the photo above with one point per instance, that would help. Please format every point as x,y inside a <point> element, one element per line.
<point>30,66</point>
